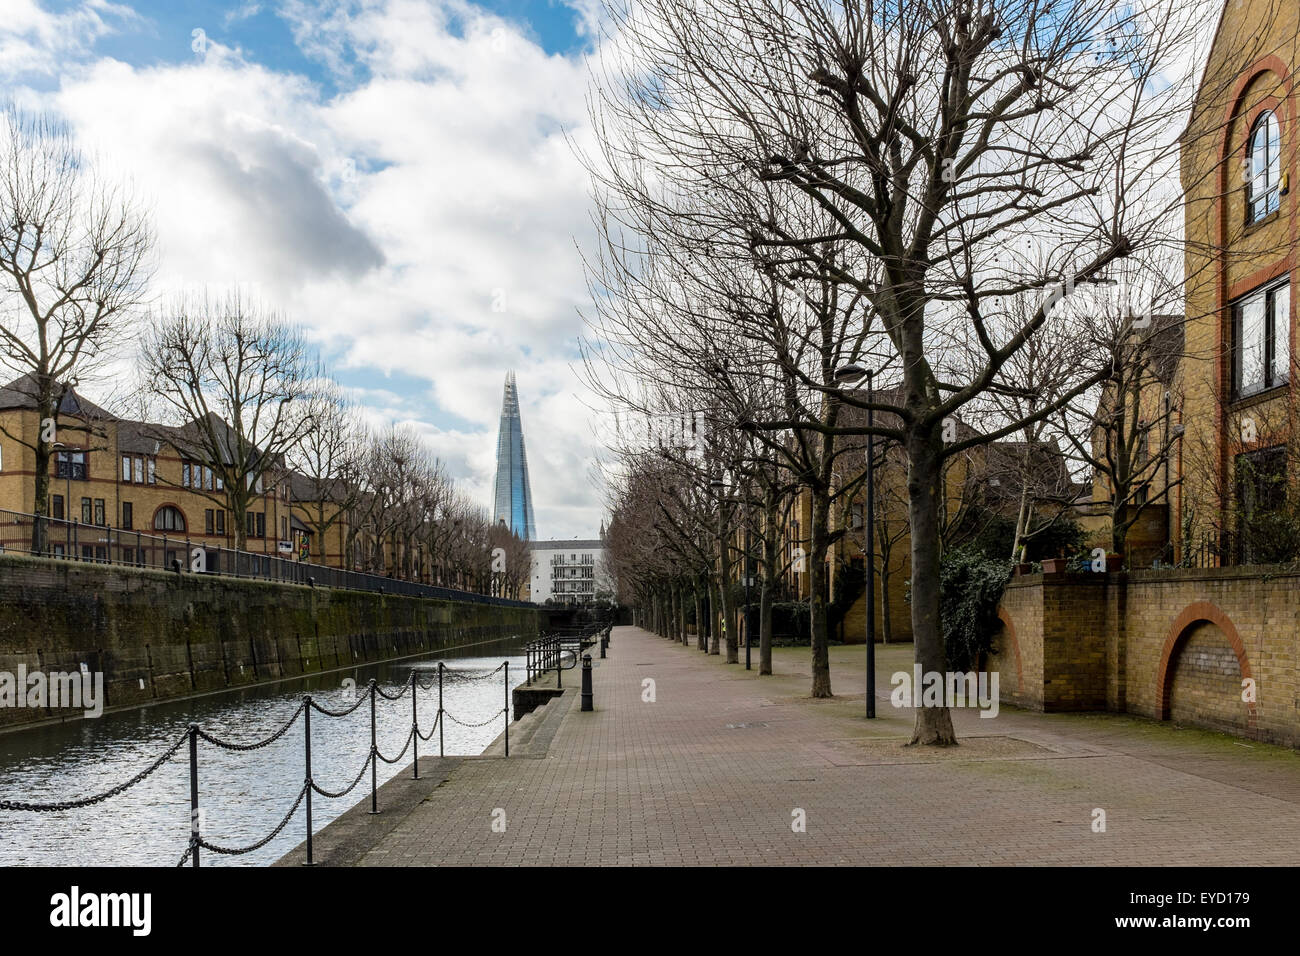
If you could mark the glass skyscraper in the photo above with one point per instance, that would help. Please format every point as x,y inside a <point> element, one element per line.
<point>514,495</point>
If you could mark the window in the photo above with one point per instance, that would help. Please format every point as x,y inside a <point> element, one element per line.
<point>207,478</point>
<point>128,516</point>
<point>169,519</point>
<point>284,528</point>
<point>261,524</point>
<point>250,525</point>
<point>209,522</point>
<point>87,510</point>
<point>56,507</point>
<point>185,474</point>
<point>1262,339</point>
<point>1261,494</point>
<point>70,464</point>
<point>126,467</point>
<point>221,522</point>
<point>153,469</point>
<point>99,513</point>
<point>1264,168</point>
<point>139,470</point>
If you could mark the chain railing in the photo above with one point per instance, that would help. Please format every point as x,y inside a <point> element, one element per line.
<point>194,734</point>
<point>186,553</point>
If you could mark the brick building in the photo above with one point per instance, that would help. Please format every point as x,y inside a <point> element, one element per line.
<point>1238,165</point>
<point>113,473</point>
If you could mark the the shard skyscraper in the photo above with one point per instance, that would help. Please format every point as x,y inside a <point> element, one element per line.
<point>514,494</point>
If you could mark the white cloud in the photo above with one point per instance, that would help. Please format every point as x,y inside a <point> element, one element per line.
<point>34,40</point>
<point>389,218</point>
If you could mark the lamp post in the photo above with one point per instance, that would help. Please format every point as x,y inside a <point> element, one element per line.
<point>845,374</point>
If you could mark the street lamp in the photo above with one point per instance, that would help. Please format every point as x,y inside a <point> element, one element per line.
<point>844,375</point>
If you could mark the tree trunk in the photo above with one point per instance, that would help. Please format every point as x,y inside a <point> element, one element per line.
<point>765,629</point>
<point>699,620</point>
<point>886,617</point>
<point>704,626</point>
<point>716,620</point>
<point>45,409</point>
<point>933,724</point>
<point>818,543</point>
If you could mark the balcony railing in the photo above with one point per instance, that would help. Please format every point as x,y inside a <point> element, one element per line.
<point>178,552</point>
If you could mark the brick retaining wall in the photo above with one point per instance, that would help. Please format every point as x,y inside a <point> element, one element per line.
<point>1163,644</point>
<point>158,635</point>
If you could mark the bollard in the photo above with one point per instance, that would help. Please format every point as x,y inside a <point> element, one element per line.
<point>586,682</point>
<point>602,648</point>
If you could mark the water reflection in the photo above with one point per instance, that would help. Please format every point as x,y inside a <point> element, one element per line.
<point>243,795</point>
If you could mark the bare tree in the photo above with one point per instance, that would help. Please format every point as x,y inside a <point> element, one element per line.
<point>899,152</point>
<point>224,373</point>
<point>74,263</point>
<point>326,463</point>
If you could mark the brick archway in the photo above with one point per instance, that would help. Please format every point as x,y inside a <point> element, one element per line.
<point>1192,615</point>
<point>1009,628</point>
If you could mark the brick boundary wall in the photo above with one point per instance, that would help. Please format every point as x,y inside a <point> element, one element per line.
<point>1114,642</point>
<point>159,635</point>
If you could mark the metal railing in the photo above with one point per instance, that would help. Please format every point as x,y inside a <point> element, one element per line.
<point>559,651</point>
<point>101,544</point>
<point>195,734</point>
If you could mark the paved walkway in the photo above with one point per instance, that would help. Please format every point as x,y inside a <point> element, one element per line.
<point>723,765</point>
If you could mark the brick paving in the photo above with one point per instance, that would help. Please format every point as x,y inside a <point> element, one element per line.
<point>717,769</point>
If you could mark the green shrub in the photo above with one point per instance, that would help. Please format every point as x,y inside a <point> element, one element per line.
<point>970,587</point>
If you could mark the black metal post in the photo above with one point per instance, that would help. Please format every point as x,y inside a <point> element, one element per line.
<point>871,553</point>
<point>415,730</point>
<point>441,752</point>
<point>374,751</point>
<point>748,615</point>
<point>586,682</point>
<point>507,710</point>
<point>195,831</point>
<point>559,665</point>
<point>306,737</point>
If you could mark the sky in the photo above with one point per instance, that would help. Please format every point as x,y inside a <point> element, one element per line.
<point>398,177</point>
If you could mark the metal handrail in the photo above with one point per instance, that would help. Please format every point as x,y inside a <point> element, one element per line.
<point>184,553</point>
<point>550,652</point>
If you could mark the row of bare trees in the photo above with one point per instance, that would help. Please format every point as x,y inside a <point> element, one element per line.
<point>230,384</point>
<point>795,193</point>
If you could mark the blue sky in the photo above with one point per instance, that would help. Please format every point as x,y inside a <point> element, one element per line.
<point>394,175</point>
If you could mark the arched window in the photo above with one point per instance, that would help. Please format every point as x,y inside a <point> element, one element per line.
<point>1264,167</point>
<point>169,519</point>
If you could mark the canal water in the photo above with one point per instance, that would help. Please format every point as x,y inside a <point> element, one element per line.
<point>243,795</point>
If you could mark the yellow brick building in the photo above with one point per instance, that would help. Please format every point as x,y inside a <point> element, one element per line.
<point>116,485</point>
<point>1238,170</point>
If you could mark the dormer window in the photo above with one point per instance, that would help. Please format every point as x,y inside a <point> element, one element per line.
<point>1264,167</point>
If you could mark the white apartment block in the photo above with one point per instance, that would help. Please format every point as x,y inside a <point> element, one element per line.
<point>568,572</point>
